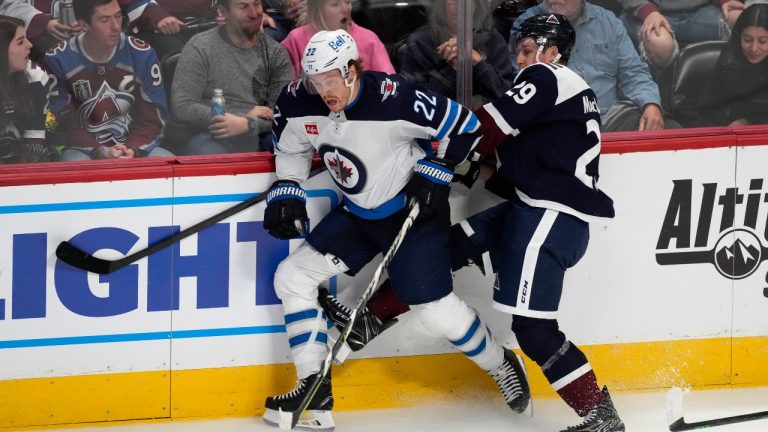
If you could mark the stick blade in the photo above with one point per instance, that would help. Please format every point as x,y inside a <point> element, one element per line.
<point>75,257</point>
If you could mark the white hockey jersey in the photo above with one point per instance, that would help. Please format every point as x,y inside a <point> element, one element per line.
<point>371,148</point>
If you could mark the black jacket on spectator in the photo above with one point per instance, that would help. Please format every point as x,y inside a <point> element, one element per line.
<point>736,90</point>
<point>420,63</point>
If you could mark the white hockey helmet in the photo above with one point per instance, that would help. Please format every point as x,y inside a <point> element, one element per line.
<point>329,50</point>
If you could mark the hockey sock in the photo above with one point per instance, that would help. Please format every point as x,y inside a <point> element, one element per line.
<point>565,366</point>
<point>385,305</point>
<point>452,318</point>
<point>307,336</point>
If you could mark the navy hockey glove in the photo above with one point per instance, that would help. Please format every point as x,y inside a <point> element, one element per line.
<point>468,171</point>
<point>286,214</point>
<point>431,184</point>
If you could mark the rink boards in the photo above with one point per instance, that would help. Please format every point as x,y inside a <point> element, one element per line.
<point>671,292</point>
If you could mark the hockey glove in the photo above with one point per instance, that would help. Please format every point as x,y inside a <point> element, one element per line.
<point>286,214</point>
<point>468,171</point>
<point>431,185</point>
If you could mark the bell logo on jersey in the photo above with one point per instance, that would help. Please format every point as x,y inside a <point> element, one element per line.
<point>346,169</point>
<point>738,251</point>
<point>311,128</point>
<point>388,88</point>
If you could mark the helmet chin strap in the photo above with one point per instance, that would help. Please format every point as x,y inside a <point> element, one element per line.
<point>541,50</point>
<point>351,86</point>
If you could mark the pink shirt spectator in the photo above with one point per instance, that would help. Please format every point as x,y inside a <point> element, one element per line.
<point>371,49</point>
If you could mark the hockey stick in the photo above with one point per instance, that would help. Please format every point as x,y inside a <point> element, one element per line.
<point>678,423</point>
<point>289,420</point>
<point>76,257</point>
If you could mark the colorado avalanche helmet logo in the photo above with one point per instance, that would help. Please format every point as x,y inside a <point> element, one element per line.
<point>346,169</point>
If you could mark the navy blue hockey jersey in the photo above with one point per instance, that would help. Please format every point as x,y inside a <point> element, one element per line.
<point>371,148</point>
<point>547,129</point>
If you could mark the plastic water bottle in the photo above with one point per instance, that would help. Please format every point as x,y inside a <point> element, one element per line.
<point>66,13</point>
<point>218,104</point>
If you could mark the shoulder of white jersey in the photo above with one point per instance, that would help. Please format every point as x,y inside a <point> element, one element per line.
<point>568,82</point>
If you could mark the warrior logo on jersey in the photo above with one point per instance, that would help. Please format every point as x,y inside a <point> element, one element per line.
<point>311,128</point>
<point>346,169</point>
<point>82,89</point>
<point>107,115</point>
<point>736,250</point>
<point>388,88</point>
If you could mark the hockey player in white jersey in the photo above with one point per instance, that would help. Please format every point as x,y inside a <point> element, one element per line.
<point>373,132</point>
<point>545,133</point>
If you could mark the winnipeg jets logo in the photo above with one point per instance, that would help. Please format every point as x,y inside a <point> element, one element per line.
<point>345,167</point>
<point>340,172</point>
<point>388,88</point>
<point>293,87</point>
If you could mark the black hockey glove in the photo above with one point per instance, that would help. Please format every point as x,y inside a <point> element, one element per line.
<point>468,171</point>
<point>431,185</point>
<point>286,214</point>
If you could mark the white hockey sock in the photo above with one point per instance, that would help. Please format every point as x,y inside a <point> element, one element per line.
<point>307,336</point>
<point>452,318</point>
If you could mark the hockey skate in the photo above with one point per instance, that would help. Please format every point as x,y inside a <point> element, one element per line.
<point>602,418</point>
<point>317,417</point>
<point>513,382</point>
<point>367,326</point>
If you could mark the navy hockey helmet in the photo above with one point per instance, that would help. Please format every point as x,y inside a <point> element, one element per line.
<point>546,28</point>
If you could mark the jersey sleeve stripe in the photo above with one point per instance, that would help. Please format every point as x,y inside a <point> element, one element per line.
<point>449,122</point>
<point>500,122</point>
<point>470,125</point>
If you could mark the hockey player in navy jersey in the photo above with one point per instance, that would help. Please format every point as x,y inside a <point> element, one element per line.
<point>372,131</point>
<point>545,133</point>
<point>109,96</point>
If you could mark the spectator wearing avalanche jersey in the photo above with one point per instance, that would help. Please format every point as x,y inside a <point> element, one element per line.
<point>109,96</point>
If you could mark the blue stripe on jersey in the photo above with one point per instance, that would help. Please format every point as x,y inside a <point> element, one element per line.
<point>448,125</point>
<point>387,209</point>
<point>304,338</point>
<point>472,124</point>
<point>471,332</point>
<point>301,315</point>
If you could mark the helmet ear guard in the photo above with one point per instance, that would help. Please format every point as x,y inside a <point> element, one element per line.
<point>549,28</point>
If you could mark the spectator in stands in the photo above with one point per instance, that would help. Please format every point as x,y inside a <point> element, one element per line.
<point>430,55</point>
<point>605,58</point>
<point>336,15</point>
<point>42,29</point>
<point>171,23</point>
<point>506,11</point>
<point>737,92</point>
<point>23,98</point>
<point>109,96</point>
<point>251,69</point>
<point>658,27</point>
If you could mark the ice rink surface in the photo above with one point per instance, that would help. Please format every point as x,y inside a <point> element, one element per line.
<point>641,412</point>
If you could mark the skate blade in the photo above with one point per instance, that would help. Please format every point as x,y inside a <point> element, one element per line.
<point>310,420</point>
<point>529,409</point>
